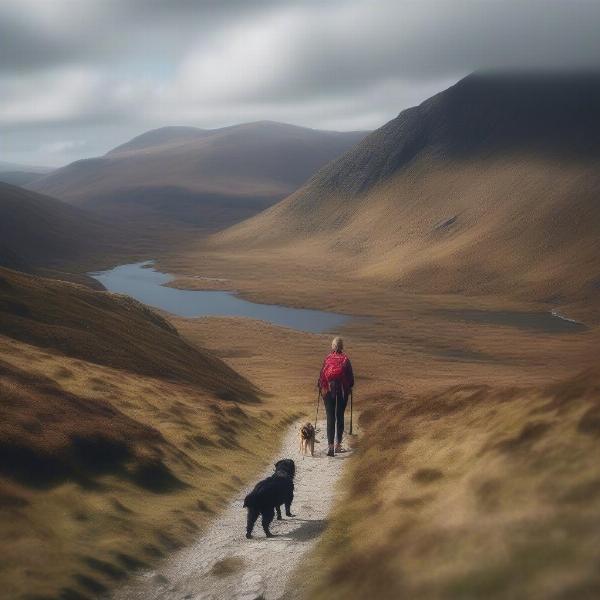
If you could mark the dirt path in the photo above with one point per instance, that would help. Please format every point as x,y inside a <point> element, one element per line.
<point>222,563</point>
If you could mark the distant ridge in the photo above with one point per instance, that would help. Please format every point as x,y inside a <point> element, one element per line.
<point>159,137</point>
<point>205,178</point>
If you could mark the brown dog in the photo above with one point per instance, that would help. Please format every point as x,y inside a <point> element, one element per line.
<point>307,439</point>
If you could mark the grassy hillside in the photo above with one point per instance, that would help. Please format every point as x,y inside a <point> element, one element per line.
<point>108,329</point>
<point>488,187</point>
<point>473,492</point>
<point>207,178</point>
<point>118,438</point>
<point>37,231</point>
<point>41,234</point>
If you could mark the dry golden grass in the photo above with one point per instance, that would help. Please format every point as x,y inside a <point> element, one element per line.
<point>474,492</point>
<point>76,538</point>
<point>520,227</point>
<point>409,345</point>
<point>489,187</point>
<point>109,329</point>
<point>455,511</point>
<point>119,439</point>
<point>89,517</point>
<point>405,340</point>
<point>49,436</point>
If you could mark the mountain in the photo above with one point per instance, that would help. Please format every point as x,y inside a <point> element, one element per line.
<point>207,178</point>
<point>39,231</point>
<point>490,186</point>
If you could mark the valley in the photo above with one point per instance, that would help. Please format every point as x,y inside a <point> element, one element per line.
<point>154,357</point>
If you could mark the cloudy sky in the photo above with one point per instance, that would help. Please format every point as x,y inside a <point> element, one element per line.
<point>78,77</point>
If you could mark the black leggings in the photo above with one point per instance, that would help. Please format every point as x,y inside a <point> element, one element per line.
<point>332,420</point>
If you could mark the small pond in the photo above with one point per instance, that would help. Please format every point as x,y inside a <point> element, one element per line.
<point>543,322</point>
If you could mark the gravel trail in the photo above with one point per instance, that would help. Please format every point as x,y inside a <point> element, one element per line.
<point>256,568</point>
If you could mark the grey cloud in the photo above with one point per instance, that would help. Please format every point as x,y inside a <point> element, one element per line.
<point>342,63</point>
<point>24,47</point>
<point>432,39</point>
<point>105,29</point>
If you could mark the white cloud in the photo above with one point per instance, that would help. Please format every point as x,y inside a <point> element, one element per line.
<point>61,146</point>
<point>237,61</point>
<point>58,95</point>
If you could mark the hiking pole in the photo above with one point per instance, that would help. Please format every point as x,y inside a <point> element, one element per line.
<point>351,396</point>
<point>336,431</point>
<point>317,413</point>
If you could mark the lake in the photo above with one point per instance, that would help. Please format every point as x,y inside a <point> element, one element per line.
<point>146,284</point>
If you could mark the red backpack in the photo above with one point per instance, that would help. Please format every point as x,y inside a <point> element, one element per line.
<point>334,370</point>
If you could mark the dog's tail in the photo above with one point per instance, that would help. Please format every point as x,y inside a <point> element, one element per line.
<point>248,500</point>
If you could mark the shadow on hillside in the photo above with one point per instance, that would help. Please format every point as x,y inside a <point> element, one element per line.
<point>49,436</point>
<point>82,462</point>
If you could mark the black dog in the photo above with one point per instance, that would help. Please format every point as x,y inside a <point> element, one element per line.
<point>269,494</point>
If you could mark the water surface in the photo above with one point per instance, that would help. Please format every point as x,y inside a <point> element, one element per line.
<point>544,322</point>
<point>142,282</point>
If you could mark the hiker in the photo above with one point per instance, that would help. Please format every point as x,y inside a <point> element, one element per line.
<point>335,383</point>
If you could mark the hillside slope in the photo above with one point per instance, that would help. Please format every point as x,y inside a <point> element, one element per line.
<point>108,329</point>
<point>39,231</point>
<point>209,178</point>
<point>118,438</point>
<point>489,186</point>
<point>477,491</point>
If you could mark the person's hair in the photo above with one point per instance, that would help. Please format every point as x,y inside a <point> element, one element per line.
<point>337,345</point>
